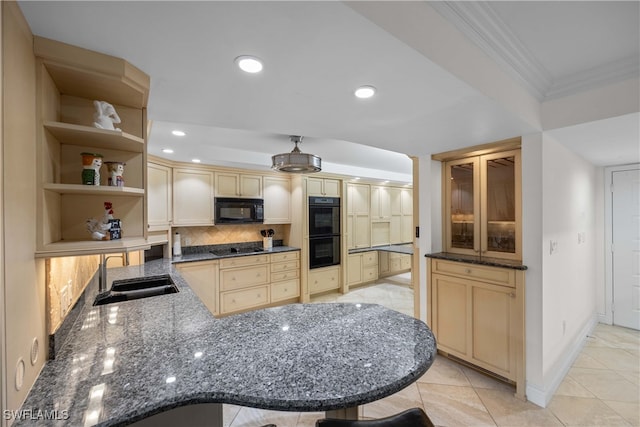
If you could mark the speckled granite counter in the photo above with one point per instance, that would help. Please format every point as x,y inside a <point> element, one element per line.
<point>124,362</point>
<point>204,255</point>
<point>405,248</point>
<point>470,259</point>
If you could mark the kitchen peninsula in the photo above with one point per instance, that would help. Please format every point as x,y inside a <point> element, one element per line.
<point>125,362</point>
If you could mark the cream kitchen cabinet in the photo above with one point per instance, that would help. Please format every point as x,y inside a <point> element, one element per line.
<point>380,203</point>
<point>69,79</point>
<point>362,268</point>
<point>244,283</point>
<point>483,208</point>
<point>285,276</point>
<point>277,200</point>
<point>202,277</point>
<point>229,184</point>
<point>478,316</point>
<point>324,279</point>
<point>159,196</point>
<point>325,187</point>
<point>256,281</point>
<point>358,224</point>
<point>192,197</point>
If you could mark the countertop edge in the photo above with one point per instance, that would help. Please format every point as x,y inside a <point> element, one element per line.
<point>470,259</point>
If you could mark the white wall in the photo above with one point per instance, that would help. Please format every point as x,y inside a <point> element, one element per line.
<point>572,193</point>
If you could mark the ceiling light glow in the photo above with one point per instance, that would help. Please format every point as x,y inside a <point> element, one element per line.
<point>195,160</point>
<point>167,150</point>
<point>364,92</point>
<point>178,132</point>
<point>249,64</point>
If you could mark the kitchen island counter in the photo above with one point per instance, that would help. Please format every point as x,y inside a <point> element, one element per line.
<point>127,361</point>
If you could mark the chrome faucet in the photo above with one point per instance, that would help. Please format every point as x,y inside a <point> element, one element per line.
<point>102,278</point>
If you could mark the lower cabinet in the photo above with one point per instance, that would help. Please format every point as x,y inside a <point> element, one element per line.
<point>362,268</point>
<point>393,263</point>
<point>202,277</point>
<point>238,284</point>
<point>477,315</point>
<point>324,279</point>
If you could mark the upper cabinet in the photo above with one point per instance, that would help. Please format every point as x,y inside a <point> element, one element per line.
<point>358,216</point>
<point>69,81</point>
<point>159,195</point>
<point>482,205</point>
<point>277,200</point>
<point>324,187</point>
<point>238,185</point>
<point>192,197</point>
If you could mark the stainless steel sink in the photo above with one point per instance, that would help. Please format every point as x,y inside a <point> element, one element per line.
<point>143,287</point>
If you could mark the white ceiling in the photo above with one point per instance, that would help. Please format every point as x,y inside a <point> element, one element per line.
<point>317,53</point>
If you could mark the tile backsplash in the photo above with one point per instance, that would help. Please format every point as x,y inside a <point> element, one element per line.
<point>222,234</point>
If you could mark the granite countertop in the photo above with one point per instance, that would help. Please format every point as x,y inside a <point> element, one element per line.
<point>471,259</point>
<point>404,248</point>
<point>204,254</point>
<point>124,362</point>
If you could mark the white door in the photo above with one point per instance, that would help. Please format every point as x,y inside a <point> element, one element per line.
<point>626,248</point>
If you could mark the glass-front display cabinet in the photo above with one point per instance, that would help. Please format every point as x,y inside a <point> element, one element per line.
<point>482,204</point>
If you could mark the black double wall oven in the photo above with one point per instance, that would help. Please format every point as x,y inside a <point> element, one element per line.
<point>324,231</point>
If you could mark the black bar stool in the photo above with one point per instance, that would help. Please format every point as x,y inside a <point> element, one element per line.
<point>414,417</point>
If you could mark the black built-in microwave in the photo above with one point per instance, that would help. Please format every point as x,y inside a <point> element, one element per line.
<point>231,210</point>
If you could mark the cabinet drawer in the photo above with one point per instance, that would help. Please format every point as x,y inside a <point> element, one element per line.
<point>239,278</point>
<point>285,256</point>
<point>244,260</point>
<point>370,258</point>
<point>500,276</point>
<point>244,299</point>
<point>284,275</point>
<point>324,280</point>
<point>285,290</point>
<point>285,266</point>
<point>370,273</point>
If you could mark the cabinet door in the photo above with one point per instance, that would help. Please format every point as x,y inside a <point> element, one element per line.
<point>492,310</point>
<point>202,278</point>
<point>159,196</point>
<point>277,200</point>
<point>380,204</point>
<point>395,226</point>
<point>450,315</point>
<point>331,188</point>
<point>227,184</point>
<point>462,206</point>
<point>354,269</point>
<point>315,187</point>
<point>251,186</point>
<point>501,205</point>
<point>358,217</point>
<point>192,197</point>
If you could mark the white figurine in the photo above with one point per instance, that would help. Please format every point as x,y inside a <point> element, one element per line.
<point>105,116</point>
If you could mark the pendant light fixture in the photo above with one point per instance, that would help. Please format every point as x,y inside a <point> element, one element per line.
<point>296,161</point>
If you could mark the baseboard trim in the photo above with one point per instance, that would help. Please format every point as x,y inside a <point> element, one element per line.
<point>541,395</point>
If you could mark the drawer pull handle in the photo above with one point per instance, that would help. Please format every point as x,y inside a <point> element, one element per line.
<point>468,271</point>
<point>512,294</point>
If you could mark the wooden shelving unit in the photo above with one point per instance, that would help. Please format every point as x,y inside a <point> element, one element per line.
<point>69,80</point>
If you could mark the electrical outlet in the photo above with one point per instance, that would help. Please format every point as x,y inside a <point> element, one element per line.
<point>581,238</point>
<point>187,241</point>
<point>553,247</point>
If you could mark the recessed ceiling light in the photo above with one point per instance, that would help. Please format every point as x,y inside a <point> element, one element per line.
<point>365,92</point>
<point>178,132</point>
<point>249,64</point>
<point>195,160</point>
<point>167,150</point>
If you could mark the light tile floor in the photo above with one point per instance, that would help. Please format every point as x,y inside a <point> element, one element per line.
<point>601,389</point>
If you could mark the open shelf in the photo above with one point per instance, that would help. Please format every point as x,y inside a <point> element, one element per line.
<point>88,136</point>
<point>84,247</point>
<point>94,190</point>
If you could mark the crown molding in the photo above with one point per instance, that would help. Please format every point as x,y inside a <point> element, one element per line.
<point>482,25</point>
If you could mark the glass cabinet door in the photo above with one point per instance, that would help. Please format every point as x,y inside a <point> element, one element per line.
<point>462,206</point>
<point>500,174</point>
